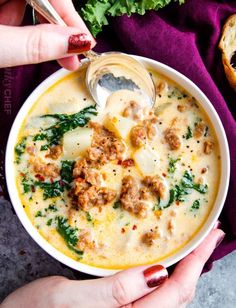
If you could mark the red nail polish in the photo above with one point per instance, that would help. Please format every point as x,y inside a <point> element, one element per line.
<point>217,225</point>
<point>220,239</point>
<point>155,275</point>
<point>79,43</point>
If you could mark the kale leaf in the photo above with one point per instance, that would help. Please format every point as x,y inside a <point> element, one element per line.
<point>55,189</point>
<point>188,182</point>
<point>51,190</point>
<point>178,192</point>
<point>20,149</point>
<point>39,137</point>
<point>65,123</point>
<point>67,171</point>
<point>69,234</point>
<point>189,133</point>
<point>49,222</point>
<point>39,214</point>
<point>116,204</point>
<point>89,217</point>
<point>172,164</point>
<point>52,207</point>
<point>195,205</point>
<point>96,12</point>
<point>26,185</point>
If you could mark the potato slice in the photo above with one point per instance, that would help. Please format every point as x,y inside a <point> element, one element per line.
<point>76,142</point>
<point>146,160</point>
<point>119,125</point>
<point>113,175</point>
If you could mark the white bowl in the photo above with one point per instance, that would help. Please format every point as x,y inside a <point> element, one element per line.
<point>223,187</point>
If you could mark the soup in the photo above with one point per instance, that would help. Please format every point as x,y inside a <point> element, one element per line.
<point>118,187</point>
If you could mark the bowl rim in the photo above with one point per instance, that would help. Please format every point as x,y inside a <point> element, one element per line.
<point>184,82</point>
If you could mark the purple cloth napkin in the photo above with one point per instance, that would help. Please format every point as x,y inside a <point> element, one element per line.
<point>183,37</point>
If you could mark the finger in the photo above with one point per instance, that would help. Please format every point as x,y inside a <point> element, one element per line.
<point>217,225</point>
<point>34,44</point>
<point>120,289</point>
<point>180,287</point>
<point>68,13</point>
<point>71,63</point>
<point>12,12</point>
<point>198,258</point>
<point>70,16</point>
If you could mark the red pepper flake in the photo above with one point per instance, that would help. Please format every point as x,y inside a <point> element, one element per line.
<point>134,227</point>
<point>123,230</point>
<point>100,209</point>
<point>127,163</point>
<point>119,162</point>
<point>32,188</point>
<point>40,177</point>
<point>22,174</point>
<point>177,202</point>
<point>164,174</point>
<point>61,183</point>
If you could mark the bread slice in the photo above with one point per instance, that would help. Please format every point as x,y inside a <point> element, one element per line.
<point>227,46</point>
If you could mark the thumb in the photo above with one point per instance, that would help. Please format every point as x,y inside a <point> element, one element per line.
<point>120,289</point>
<point>180,288</point>
<point>35,44</point>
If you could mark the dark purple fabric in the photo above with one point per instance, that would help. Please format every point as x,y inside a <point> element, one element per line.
<point>183,37</point>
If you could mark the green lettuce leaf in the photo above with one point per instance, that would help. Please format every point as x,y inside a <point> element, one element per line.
<point>95,13</point>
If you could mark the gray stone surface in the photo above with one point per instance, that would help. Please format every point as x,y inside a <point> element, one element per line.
<point>22,260</point>
<point>217,289</point>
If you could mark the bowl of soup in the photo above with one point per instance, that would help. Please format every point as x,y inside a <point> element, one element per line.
<point>102,190</point>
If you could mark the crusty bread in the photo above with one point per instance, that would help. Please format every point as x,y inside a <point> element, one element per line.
<point>228,47</point>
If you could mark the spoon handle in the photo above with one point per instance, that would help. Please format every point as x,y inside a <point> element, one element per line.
<point>45,8</point>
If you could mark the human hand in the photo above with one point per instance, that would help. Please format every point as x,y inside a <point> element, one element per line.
<point>138,287</point>
<point>35,44</point>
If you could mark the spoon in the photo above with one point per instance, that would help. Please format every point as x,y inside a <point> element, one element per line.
<point>107,72</point>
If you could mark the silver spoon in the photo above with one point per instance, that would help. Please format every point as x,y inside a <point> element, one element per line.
<point>107,72</point>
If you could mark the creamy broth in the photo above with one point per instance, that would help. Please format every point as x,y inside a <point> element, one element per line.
<point>135,200</point>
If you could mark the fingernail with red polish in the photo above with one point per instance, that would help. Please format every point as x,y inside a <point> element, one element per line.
<point>217,225</point>
<point>155,275</point>
<point>220,239</point>
<point>79,43</point>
